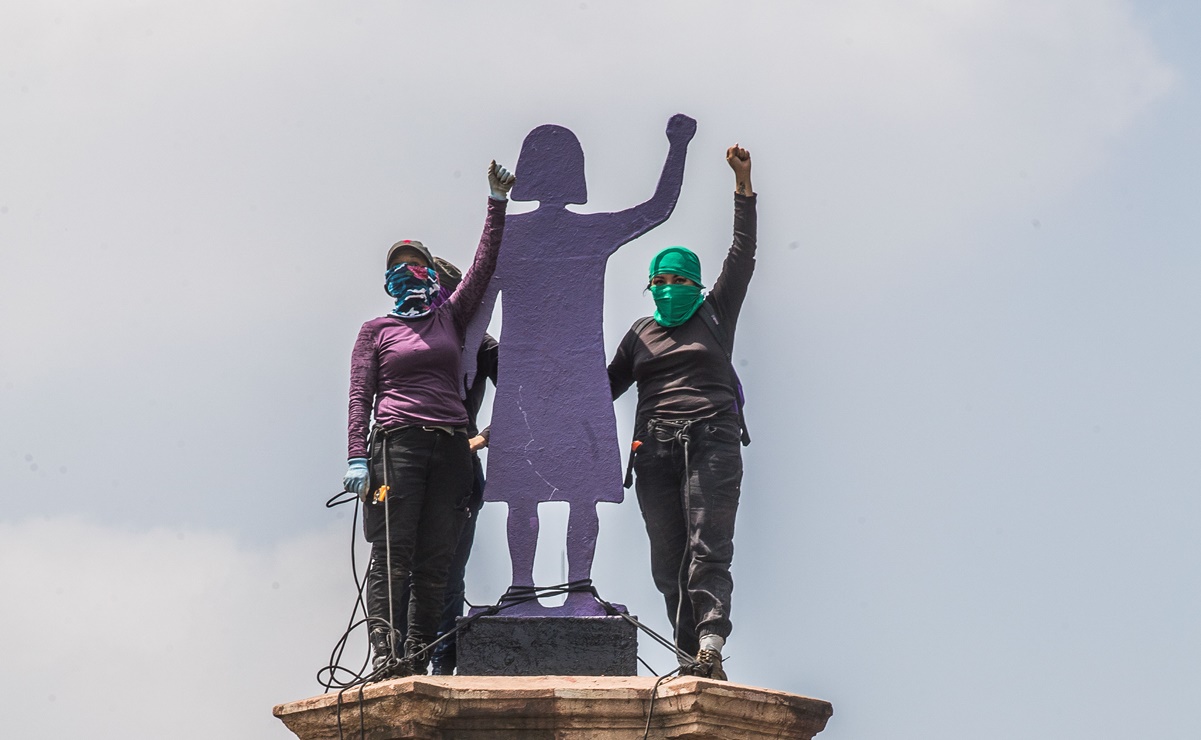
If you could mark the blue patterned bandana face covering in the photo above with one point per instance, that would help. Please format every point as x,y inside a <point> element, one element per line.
<point>414,287</point>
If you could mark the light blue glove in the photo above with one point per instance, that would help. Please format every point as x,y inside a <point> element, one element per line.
<point>355,479</point>
<point>500,181</point>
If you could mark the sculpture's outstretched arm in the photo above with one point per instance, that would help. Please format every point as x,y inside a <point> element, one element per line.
<point>634,222</point>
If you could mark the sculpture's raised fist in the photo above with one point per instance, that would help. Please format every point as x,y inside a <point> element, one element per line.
<point>681,128</point>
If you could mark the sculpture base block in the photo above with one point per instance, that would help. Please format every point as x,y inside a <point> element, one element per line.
<point>548,646</point>
<point>556,708</point>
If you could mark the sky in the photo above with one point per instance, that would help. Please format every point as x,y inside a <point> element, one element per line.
<point>969,349</point>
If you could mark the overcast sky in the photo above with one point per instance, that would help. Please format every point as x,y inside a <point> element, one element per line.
<point>970,349</point>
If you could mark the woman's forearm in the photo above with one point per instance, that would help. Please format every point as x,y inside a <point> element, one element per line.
<point>742,185</point>
<point>364,372</point>
<point>466,300</point>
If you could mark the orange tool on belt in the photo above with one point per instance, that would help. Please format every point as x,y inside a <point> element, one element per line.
<point>629,481</point>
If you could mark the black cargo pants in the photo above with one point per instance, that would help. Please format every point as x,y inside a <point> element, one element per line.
<point>689,506</point>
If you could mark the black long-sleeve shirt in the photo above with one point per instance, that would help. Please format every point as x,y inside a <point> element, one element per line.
<point>486,365</point>
<point>681,371</point>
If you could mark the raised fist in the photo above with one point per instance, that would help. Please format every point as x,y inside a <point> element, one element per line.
<point>680,129</point>
<point>739,160</point>
<point>500,181</point>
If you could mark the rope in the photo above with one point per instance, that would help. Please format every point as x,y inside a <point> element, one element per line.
<point>681,435</point>
<point>388,559</point>
<point>678,431</point>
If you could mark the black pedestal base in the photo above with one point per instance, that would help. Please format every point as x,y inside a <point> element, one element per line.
<point>548,646</point>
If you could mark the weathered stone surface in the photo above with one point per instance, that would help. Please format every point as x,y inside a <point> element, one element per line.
<point>548,646</point>
<point>555,708</point>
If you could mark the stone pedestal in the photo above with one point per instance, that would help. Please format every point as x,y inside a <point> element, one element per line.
<point>548,646</point>
<point>555,708</point>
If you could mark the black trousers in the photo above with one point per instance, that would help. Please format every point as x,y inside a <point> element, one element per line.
<point>416,530</point>
<point>455,599</point>
<point>689,508</point>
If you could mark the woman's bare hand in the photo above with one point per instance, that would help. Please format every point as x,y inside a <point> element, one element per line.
<point>739,160</point>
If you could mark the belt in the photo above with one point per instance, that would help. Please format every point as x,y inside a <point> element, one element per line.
<point>446,429</point>
<point>668,430</point>
<point>449,430</point>
<point>663,430</point>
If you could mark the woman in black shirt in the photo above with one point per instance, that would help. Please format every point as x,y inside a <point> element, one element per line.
<point>688,428</point>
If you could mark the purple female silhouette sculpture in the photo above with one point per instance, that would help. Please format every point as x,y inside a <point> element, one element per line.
<point>554,435</point>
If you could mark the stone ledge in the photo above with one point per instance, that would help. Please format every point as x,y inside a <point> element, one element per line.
<point>555,708</point>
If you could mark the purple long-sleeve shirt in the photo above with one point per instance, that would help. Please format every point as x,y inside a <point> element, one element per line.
<point>407,370</point>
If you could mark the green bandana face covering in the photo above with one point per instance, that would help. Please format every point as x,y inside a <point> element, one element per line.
<point>675,304</point>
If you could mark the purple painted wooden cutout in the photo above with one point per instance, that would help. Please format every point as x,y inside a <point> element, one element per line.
<point>554,435</point>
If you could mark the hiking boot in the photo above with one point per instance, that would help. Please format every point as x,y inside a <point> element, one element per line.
<point>389,668</point>
<point>384,667</point>
<point>383,664</point>
<point>708,665</point>
<point>417,658</point>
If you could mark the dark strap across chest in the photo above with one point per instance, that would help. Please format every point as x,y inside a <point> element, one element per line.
<point>725,342</point>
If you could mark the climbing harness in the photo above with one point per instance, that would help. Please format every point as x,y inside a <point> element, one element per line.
<point>709,319</point>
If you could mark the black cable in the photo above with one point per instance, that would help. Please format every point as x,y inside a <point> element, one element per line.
<point>335,663</point>
<point>345,679</point>
<point>337,499</point>
<point>650,712</point>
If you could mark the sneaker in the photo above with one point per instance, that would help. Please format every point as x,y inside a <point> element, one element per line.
<point>708,665</point>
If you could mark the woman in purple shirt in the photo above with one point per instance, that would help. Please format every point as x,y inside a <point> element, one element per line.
<point>413,467</point>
